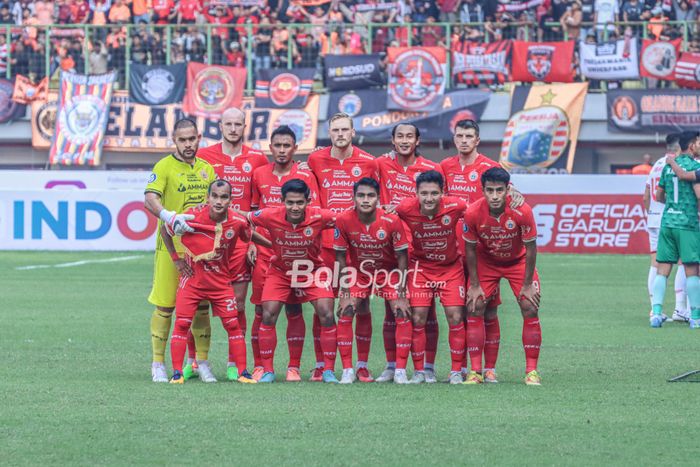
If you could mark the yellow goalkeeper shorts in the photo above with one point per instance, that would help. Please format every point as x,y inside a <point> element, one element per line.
<point>165,280</point>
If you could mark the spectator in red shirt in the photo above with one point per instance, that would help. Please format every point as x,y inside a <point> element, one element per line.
<point>404,32</point>
<point>187,11</point>
<point>222,15</point>
<point>431,36</point>
<point>80,10</point>
<point>64,12</point>
<point>234,55</point>
<point>164,11</point>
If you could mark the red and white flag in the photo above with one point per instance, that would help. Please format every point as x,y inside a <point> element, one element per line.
<point>417,78</point>
<point>213,89</point>
<point>550,62</point>
<point>688,70</point>
<point>658,58</point>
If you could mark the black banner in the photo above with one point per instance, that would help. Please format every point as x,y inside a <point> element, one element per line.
<point>371,118</point>
<point>658,110</point>
<point>158,84</point>
<point>353,71</point>
<point>283,89</point>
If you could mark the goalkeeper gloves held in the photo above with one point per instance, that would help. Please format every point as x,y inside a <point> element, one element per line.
<point>176,223</point>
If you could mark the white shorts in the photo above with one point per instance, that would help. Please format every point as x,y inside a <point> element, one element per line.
<point>653,238</point>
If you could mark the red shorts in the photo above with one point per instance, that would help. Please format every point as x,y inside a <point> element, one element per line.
<point>223,302</point>
<point>240,269</point>
<point>381,285</point>
<point>278,288</point>
<point>446,283</point>
<point>490,276</point>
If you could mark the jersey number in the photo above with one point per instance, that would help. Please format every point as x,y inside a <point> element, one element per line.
<point>675,189</point>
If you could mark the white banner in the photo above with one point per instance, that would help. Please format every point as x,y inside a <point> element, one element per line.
<point>73,179</point>
<point>610,60</point>
<point>105,220</point>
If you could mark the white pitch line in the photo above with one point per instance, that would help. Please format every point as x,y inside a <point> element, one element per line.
<point>78,263</point>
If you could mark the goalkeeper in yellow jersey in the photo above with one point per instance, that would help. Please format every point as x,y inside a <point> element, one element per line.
<point>179,181</point>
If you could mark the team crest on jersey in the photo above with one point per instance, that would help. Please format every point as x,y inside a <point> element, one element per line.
<point>356,171</point>
<point>152,178</point>
<point>308,231</point>
<point>229,234</point>
<point>446,220</point>
<point>473,176</point>
<point>204,174</point>
<point>381,234</point>
<point>247,167</point>
<point>510,225</point>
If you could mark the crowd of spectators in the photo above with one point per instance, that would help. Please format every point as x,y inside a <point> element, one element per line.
<point>275,32</point>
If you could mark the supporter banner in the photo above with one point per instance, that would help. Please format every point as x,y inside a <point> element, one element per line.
<point>544,125</point>
<point>283,89</point>
<point>610,60</point>
<point>658,58</point>
<point>353,71</point>
<point>417,77</point>
<point>75,220</point>
<point>310,2</point>
<point>518,5</point>
<point>26,92</point>
<point>157,84</point>
<point>81,118</point>
<point>687,70</point>
<point>372,119</point>
<point>376,6</point>
<point>213,89</point>
<point>543,61</point>
<point>9,109</point>
<point>653,110</point>
<point>476,63</point>
<point>142,128</point>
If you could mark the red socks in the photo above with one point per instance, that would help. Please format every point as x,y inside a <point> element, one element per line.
<point>236,342</point>
<point>257,361</point>
<point>363,335</point>
<point>329,344</point>
<point>316,330</point>
<point>457,342</point>
<point>389,331</point>
<point>345,340</point>
<point>296,332</point>
<point>432,333</point>
<point>493,339</point>
<point>475,341</point>
<point>242,322</point>
<point>532,340</point>
<point>418,348</point>
<point>404,336</point>
<point>191,347</point>
<point>267,340</point>
<point>178,341</point>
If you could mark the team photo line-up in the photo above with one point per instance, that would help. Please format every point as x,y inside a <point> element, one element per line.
<point>334,231</point>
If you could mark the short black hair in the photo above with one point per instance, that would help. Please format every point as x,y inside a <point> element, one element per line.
<point>687,137</point>
<point>184,123</point>
<point>495,175</point>
<point>219,182</point>
<point>430,176</point>
<point>466,124</point>
<point>365,181</point>
<point>393,130</point>
<point>296,185</point>
<point>672,139</point>
<point>283,130</point>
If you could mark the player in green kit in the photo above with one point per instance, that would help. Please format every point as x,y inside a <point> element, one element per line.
<point>679,237</point>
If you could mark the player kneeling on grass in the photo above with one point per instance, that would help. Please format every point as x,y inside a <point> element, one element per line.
<point>679,237</point>
<point>205,274</point>
<point>377,248</point>
<point>500,243</point>
<point>296,273</point>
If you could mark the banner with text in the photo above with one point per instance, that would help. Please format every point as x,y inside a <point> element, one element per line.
<point>610,60</point>
<point>475,63</point>
<point>653,110</point>
<point>353,71</point>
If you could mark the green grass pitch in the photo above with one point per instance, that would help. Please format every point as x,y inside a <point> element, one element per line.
<point>76,382</point>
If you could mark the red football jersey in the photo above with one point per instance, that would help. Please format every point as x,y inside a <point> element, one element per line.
<point>294,242</point>
<point>434,238</point>
<point>465,181</point>
<point>398,182</point>
<point>238,171</point>
<point>267,187</point>
<point>375,243</point>
<point>213,273</point>
<point>336,178</point>
<point>499,239</point>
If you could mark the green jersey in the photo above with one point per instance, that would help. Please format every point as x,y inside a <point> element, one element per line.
<point>681,209</point>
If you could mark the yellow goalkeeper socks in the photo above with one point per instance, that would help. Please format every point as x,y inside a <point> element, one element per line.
<point>201,330</point>
<point>160,329</point>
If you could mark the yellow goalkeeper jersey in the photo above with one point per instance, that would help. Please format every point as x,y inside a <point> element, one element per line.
<point>180,186</point>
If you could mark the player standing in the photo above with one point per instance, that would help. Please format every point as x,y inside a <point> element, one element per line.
<point>679,237</point>
<point>501,242</point>
<point>267,193</point>
<point>397,174</point>
<point>178,182</point>
<point>235,162</point>
<point>654,211</point>
<point>207,276</point>
<point>377,246</point>
<point>336,169</point>
<point>435,267</point>
<point>295,231</point>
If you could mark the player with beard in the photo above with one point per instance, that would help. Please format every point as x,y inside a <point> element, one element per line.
<point>235,162</point>
<point>397,174</point>
<point>336,169</point>
<point>267,193</point>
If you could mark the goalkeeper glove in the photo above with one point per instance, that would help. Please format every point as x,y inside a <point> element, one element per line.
<point>176,223</point>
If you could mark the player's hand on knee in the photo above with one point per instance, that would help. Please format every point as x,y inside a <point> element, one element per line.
<point>251,254</point>
<point>402,309</point>
<point>531,294</point>
<point>474,294</point>
<point>346,305</point>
